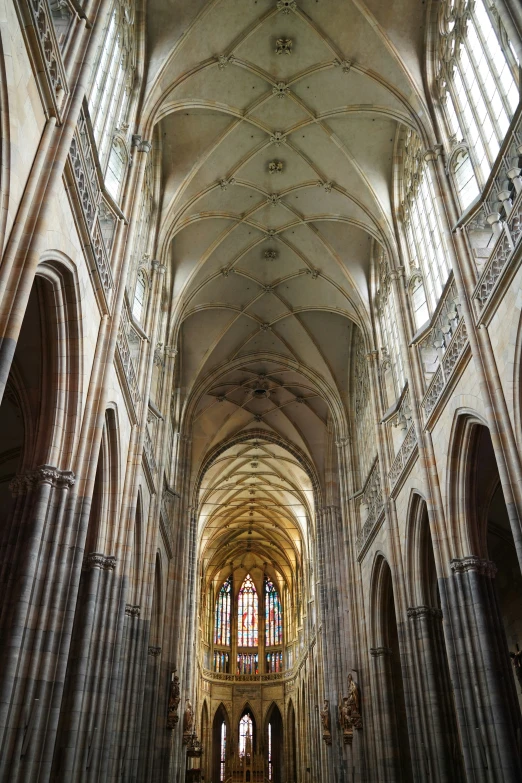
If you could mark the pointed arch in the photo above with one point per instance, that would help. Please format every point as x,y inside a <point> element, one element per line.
<point>274,744</point>
<point>221,738</point>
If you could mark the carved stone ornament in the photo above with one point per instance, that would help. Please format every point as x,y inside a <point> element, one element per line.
<point>132,611</point>
<point>270,255</point>
<point>45,474</point>
<point>280,90</point>
<point>224,183</point>
<point>474,563</point>
<point>414,612</point>
<point>224,60</point>
<point>270,233</point>
<point>99,560</point>
<point>194,746</point>
<point>284,46</point>
<point>286,6</point>
<point>278,138</point>
<point>345,65</point>
<point>275,167</point>
<point>274,199</point>
<point>154,651</point>
<point>174,699</point>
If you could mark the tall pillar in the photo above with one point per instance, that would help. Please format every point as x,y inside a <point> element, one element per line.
<point>483,683</point>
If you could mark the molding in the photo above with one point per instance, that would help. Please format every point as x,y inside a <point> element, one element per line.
<point>473,563</point>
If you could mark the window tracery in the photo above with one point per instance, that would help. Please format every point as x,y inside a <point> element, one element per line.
<point>388,317</point>
<point>223,605</point>
<point>477,73</point>
<point>423,228</point>
<point>113,77</point>
<point>246,727</point>
<point>247,614</point>
<point>140,296</point>
<point>273,615</point>
<point>363,419</point>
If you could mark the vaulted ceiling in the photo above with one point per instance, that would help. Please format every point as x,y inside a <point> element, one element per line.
<point>277,122</point>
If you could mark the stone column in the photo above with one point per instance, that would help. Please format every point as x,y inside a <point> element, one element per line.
<point>434,726</point>
<point>38,552</point>
<point>382,708</point>
<point>485,696</point>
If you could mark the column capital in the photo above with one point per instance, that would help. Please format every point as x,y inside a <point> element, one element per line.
<point>424,611</point>
<point>473,563</point>
<point>435,152</point>
<point>99,560</point>
<point>44,474</point>
<point>377,652</point>
<point>158,267</point>
<point>132,611</point>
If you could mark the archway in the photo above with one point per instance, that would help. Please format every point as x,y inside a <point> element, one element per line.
<point>220,745</point>
<point>394,753</point>
<point>292,744</point>
<point>274,745</point>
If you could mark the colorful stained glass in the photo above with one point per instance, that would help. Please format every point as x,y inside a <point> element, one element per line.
<point>247,614</point>
<point>274,662</point>
<point>221,662</point>
<point>247,663</point>
<point>273,622</point>
<point>222,627</point>
<point>245,735</point>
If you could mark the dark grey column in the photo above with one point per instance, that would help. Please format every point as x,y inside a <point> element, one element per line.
<point>485,698</point>
<point>433,725</point>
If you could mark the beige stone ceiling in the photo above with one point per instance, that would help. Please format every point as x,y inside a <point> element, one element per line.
<point>270,270</point>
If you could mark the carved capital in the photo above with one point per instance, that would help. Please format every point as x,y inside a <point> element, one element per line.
<point>132,611</point>
<point>474,563</point>
<point>158,267</point>
<point>45,474</point>
<point>145,146</point>
<point>424,611</point>
<point>377,652</point>
<point>99,560</point>
<point>154,651</point>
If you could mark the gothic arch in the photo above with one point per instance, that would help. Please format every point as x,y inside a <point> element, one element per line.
<point>421,573</point>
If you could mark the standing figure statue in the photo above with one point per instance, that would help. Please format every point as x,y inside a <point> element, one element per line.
<point>188,717</point>
<point>325,716</point>
<point>354,698</point>
<point>345,714</point>
<point>174,699</point>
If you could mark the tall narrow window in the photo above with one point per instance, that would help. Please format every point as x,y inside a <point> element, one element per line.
<point>477,75</point>
<point>222,752</point>
<point>388,316</point>
<point>270,751</point>
<point>246,727</point>
<point>222,626</point>
<point>138,304</point>
<point>247,614</point>
<point>273,624</point>
<point>113,76</point>
<point>116,169</point>
<point>422,222</point>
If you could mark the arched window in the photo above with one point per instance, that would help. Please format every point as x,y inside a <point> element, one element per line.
<point>222,627</point>
<point>246,735</point>
<point>113,77</point>
<point>477,72</point>
<point>140,295</point>
<point>388,317</point>
<point>270,766</point>
<point>247,614</point>
<point>222,752</point>
<point>116,169</point>
<point>273,622</point>
<point>422,222</point>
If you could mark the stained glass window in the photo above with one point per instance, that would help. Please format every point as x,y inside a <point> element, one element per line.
<point>245,734</point>
<point>222,754</point>
<point>222,629</point>
<point>247,614</point>
<point>221,662</point>
<point>274,662</point>
<point>247,663</point>
<point>273,625</point>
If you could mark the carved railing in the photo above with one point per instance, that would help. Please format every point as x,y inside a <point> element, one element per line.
<point>54,85</point>
<point>494,224</point>
<point>401,460</point>
<point>371,504</point>
<point>222,677</point>
<point>442,345</point>
<point>126,358</point>
<point>96,212</point>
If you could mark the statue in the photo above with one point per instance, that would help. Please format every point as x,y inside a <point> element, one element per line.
<point>354,699</point>
<point>353,692</point>
<point>188,718</point>
<point>344,714</point>
<point>174,699</point>
<point>325,720</point>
